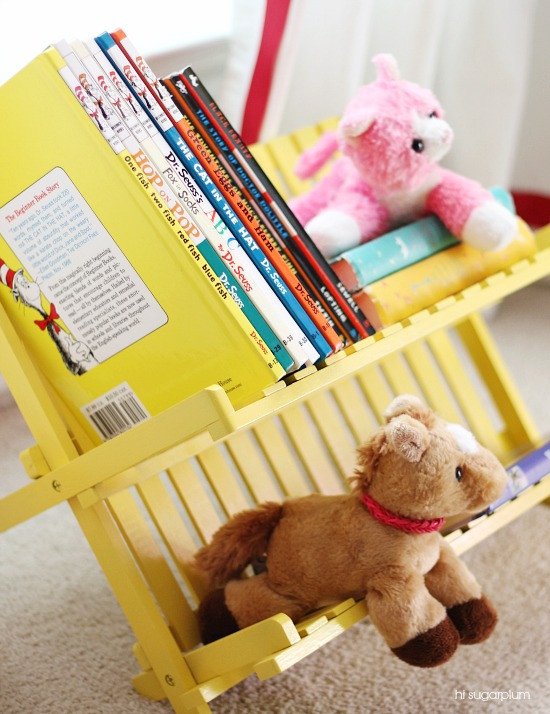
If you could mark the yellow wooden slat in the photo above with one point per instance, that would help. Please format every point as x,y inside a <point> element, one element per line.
<point>321,617</point>
<point>208,409</point>
<point>318,465</point>
<point>431,383</point>
<point>306,137</point>
<point>281,460</point>
<point>376,391</point>
<point>246,455</point>
<point>141,657</point>
<point>332,427</point>
<point>399,379</point>
<point>306,627</point>
<point>265,159</point>
<point>484,353</point>
<point>147,684</point>
<point>542,237</point>
<point>355,410</point>
<point>242,647</point>
<point>331,611</point>
<point>329,124</point>
<point>134,596</point>
<point>212,688</point>
<point>177,539</point>
<point>229,492</point>
<point>285,155</point>
<point>195,499</point>
<point>277,663</point>
<point>31,395</point>
<point>464,392</point>
<point>160,578</point>
<point>149,467</point>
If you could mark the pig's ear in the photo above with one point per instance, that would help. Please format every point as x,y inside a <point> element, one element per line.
<point>355,123</point>
<point>386,68</point>
<point>407,437</point>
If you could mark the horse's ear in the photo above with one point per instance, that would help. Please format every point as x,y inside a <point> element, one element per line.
<point>408,437</point>
<point>411,405</point>
<point>367,458</point>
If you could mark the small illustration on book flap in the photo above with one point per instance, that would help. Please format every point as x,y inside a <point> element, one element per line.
<point>93,101</point>
<point>64,264</point>
<point>76,355</point>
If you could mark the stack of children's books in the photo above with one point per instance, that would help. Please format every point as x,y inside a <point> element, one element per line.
<point>413,267</point>
<point>144,254</point>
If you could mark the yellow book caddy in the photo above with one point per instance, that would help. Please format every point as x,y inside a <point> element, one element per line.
<point>146,500</point>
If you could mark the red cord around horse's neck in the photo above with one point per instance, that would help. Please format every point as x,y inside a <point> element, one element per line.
<point>402,523</point>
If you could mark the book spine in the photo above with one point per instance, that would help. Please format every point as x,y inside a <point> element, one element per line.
<point>116,99</point>
<point>194,256</point>
<point>181,152</point>
<point>524,473</point>
<point>193,114</point>
<point>184,143</point>
<point>421,285</point>
<point>222,241</point>
<point>147,168</point>
<point>399,249</point>
<point>122,87</point>
<point>298,300</point>
<point>334,291</point>
<point>220,237</point>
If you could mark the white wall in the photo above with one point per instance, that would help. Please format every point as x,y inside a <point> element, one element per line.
<point>26,28</point>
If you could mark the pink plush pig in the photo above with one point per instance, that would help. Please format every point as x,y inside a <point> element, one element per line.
<point>392,135</point>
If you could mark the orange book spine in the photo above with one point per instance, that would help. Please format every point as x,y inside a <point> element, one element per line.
<point>179,99</point>
<point>234,198</point>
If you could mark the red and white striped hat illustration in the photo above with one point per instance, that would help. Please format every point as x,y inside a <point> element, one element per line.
<point>7,274</point>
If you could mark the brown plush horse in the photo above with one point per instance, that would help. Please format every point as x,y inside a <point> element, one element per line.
<point>380,542</point>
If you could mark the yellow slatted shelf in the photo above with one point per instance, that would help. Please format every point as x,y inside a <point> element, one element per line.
<point>149,498</point>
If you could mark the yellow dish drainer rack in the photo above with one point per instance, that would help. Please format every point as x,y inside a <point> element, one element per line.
<point>147,499</point>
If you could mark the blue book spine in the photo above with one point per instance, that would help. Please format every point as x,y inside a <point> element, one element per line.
<point>247,306</point>
<point>184,154</point>
<point>524,473</point>
<point>255,253</point>
<point>402,247</point>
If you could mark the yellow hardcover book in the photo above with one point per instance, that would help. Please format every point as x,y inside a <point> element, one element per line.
<point>123,318</point>
<point>421,285</point>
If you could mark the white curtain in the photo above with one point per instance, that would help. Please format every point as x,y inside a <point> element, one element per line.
<point>488,61</point>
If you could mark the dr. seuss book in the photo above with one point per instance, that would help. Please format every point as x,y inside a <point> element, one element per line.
<point>227,176</point>
<point>290,232</point>
<point>121,318</point>
<point>266,219</point>
<point>198,215</point>
<point>162,110</point>
<point>86,90</point>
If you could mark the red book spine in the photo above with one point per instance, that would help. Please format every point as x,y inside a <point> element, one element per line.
<point>185,103</point>
<point>335,290</point>
<point>235,201</point>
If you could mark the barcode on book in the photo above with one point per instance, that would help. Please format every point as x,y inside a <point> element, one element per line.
<point>115,412</point>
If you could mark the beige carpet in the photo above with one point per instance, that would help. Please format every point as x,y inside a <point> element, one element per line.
<point>66,648</point>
